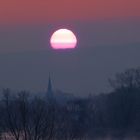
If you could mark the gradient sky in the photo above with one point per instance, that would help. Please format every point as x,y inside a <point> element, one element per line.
<point>41,11</point>
<point>108,33</point>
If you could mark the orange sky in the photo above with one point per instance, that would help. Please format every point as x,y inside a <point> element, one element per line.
<point>16,11</point>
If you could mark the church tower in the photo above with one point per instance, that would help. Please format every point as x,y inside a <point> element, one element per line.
<point>49,90</point>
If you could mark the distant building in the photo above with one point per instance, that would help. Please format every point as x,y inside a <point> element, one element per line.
<point>50,94</point>
<point>57,96</point>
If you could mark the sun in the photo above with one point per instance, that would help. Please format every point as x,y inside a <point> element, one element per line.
<point>63,39</point>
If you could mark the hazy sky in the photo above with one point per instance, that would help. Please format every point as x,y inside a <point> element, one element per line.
<point>108,35</point>
<point>43,11</point>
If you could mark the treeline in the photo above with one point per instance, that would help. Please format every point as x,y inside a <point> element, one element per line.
<point>27,117</point>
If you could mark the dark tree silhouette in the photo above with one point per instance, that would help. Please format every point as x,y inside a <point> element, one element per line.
<point>129,79</point>
<point>26,117</point>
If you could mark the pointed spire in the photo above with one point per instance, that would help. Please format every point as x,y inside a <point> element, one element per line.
<point>49,90</point>
<point>49,84</point>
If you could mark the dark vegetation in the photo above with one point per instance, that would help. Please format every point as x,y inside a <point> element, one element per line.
<point>25,117</point>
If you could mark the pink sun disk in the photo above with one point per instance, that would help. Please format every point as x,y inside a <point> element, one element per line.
<point>63,39</point>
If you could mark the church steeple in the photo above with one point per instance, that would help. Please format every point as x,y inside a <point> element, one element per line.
<point>49,85</point>
<point>49,90</point>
